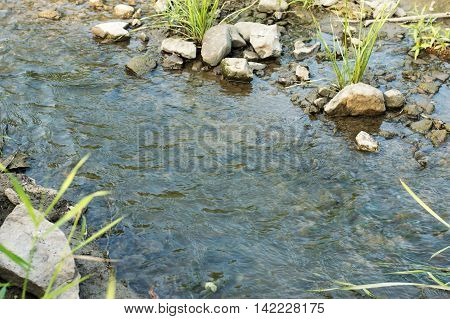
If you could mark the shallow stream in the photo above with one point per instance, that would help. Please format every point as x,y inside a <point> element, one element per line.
<point>219,182</point>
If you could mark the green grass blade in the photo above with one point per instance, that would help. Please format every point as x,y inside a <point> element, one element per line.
<point>65,185</point>
<point>111,289</point>
<point>78,208</point>
<point>432,277</point>
<point>407,272</point>
<point>439,252</point>
<point>22,195</point>
<point>97,234</point>
<point>62,289</point>
<point>425,206</point>
<point>3,292</point>
<point>383,285</point>
<point>16,259</point>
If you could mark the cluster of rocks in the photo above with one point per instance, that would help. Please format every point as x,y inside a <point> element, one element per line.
<point>364,100</point>
<point>118,30</point>
<point>254,41</point>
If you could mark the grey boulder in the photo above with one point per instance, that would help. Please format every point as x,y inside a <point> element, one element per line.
<point>356,99</point>
<point>216,44</point>
<point>236,69</point>
<point>272,5</point>
<point>140,65</point>
<point>111,31</point>
<point>265,39</point>
<point>16,234</point>
<point>394,99</point>
<point>184,48</point>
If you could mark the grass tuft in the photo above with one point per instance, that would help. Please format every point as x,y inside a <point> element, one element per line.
<point>428,36</point>
<point>355,54</point>
<point>191,18</point>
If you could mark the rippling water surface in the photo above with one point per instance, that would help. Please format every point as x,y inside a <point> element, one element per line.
<point>222,182</point>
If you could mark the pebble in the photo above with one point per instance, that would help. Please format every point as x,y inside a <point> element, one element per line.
<point>49,14</point>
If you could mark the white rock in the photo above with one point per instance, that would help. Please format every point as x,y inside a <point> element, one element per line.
<point>385,7</point>
<point>394,99</point>
<point>236,69</point>
<point>250,55</point>
<point>216,44</point>
<point>302,73</point>
<point>327,3</point>
<point>16,234</point>
<point>265,39</point>
<point>245,28</point>
<point>111,30</point>
<point>123,11</point>
<point>400,12</point>
<point>255,66</point>
<point>236,40</point>
<point>356,99</point>
<point>365,142</point>
<point>161,5</point>
<point>181,47</point>
<point>301,51</point>
<point>272,5</point>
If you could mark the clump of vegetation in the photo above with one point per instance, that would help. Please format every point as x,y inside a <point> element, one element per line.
<point>74,215</point>
<point>438,277</point>
<point>191,18</point>
<point>429,37</point>
<point>354,52</point>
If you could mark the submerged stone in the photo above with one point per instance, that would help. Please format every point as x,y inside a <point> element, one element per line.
<point>422,126</point>
<point>365,142</point>
<point>437,137</point>
<point>173,62</point>
<point>140,65</point>
<point>394,99</point>
<point>49,14</point>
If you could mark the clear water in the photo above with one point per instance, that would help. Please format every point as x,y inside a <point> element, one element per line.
<point>218,181</point>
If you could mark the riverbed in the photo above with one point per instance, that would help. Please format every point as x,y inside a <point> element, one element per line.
<point>218,181</point>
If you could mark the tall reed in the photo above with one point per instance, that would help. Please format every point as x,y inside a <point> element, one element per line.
<point>191,18</point>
